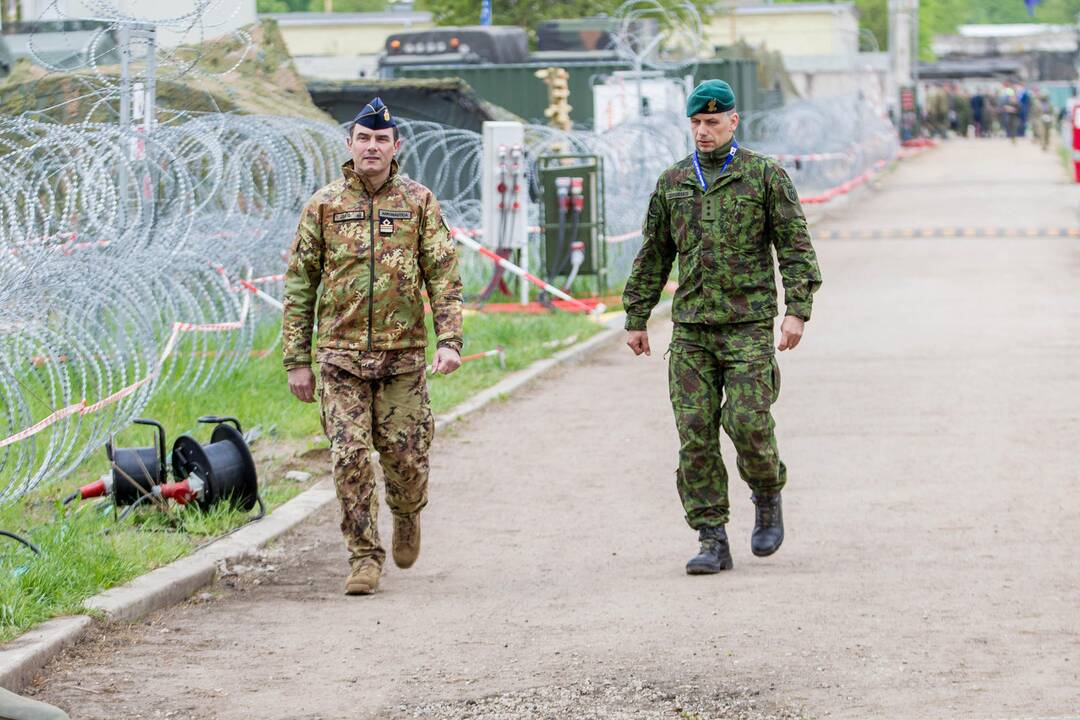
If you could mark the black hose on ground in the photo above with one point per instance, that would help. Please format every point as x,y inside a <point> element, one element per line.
<point>19,538</point>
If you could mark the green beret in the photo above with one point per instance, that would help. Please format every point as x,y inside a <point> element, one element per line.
<point>711,96</point>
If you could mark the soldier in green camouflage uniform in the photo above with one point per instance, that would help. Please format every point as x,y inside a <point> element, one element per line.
<point>372,241</point>
<point>723,224</point>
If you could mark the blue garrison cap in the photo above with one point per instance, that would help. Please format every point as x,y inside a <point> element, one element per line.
<point>375,116</point>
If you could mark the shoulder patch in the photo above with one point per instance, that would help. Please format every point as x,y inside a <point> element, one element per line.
<point>789,190</point>
<point>678,194</point>
<point>396,214</point>
<point>349,216</point>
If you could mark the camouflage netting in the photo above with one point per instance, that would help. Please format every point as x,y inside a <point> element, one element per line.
<point>447,101</point>
<point>773,77</point>
<point>223,75</point>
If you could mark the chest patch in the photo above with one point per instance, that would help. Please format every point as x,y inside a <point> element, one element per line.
<point>349,216</point>
<point>395,215</point>
<point>386,226</point>
<point>710,208</point>
<point>679,194</point>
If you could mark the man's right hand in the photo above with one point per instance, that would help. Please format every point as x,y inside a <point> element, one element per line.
<point>302,383</point>
<point>638,340</point>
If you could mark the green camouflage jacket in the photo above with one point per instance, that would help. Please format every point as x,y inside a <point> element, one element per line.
<point>723,239</point>
<point>370,300</point>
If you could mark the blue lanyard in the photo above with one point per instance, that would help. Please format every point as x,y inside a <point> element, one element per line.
<point>727,161</point>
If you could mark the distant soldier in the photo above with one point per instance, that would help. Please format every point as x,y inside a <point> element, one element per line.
<point>1044,115</point>
<point>373,240</point>
<point>1009,108</point>
<point>722,211</point>
<point>937,113</point>
<point>961,105</point>
<point>1023,112</point>
<point>978,118</point>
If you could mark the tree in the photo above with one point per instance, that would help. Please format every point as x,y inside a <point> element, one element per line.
<point>523,13</point>
<point>942,17</point>
<point>287,6</point>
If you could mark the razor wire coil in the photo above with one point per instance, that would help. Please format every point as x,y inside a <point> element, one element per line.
<point>122,251</point>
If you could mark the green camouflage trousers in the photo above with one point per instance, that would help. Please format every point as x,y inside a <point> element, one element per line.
<point>391,415</point>
<point>723,376</point>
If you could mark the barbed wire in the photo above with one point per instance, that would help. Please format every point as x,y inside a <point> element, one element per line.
<point>119,277</point>
<point>137,261</point>
<point>660,35</point>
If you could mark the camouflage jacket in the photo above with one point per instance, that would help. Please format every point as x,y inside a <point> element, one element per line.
<point>372,256</point>
<point>723,239</point>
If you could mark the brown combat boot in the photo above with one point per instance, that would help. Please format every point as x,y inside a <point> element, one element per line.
<point>406,539</point>
<point>363,579</point>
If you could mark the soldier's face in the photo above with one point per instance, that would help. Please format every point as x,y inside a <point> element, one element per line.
<point>372,150</point>
<point>713,130</point>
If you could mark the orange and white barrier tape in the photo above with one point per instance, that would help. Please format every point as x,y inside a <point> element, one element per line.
<point>623,238</point>
<point>505,264</point>
<point>82,408</point>
<point>264,296</point>
<point>498,351</point>
<point>266,279</point>
<point>249,285</point>
<point>813,157</point>
<point>844,188</point>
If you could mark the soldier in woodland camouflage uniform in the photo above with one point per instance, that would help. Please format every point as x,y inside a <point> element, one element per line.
<point>722,211</point>
<point>373,240</point>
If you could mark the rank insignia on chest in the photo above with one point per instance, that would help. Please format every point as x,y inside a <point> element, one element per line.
<point>709,209</point>
<point>349,216</point>
<point>386,226</point>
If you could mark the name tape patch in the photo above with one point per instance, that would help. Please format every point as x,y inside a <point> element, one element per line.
<point>679,194</point>
<point>349,216</point>
<point>395,214</point>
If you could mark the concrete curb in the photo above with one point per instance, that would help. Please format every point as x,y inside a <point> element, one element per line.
<point>23,657</point>
<point>29,652</point>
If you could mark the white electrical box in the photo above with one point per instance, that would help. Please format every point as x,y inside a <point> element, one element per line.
<point>504,187</point>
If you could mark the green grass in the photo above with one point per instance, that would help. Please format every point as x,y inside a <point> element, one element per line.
<point>525,338</point>
<point>85,551</point>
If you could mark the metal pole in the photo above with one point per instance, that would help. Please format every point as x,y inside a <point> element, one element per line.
<point>124,37</point>
<point>149,32</point>
<point>151,78</point>
<point>916,44</point>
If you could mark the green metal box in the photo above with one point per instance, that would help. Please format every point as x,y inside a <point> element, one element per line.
<point>561,228</point>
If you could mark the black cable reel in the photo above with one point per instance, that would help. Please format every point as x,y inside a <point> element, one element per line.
<point>135,472</point>
<point>222,471</point>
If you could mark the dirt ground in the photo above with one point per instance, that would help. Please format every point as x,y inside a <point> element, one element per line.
<point>929,422</point>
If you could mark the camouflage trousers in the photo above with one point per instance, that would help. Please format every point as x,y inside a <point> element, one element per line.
<point>391,415</point>
<point>723,376</point>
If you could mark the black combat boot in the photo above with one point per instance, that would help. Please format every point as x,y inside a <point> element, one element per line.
<point>715,553</point>
<point>768,525</point>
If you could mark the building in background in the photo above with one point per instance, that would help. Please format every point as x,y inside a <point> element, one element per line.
<point>1028,52</point>
<point>219,19</point>
<point>820,44</point>
<point>343,46</point>
<point>58,44</point>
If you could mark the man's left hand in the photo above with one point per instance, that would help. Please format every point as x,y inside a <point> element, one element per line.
<point>446,361</point>
<point>791,331</point>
